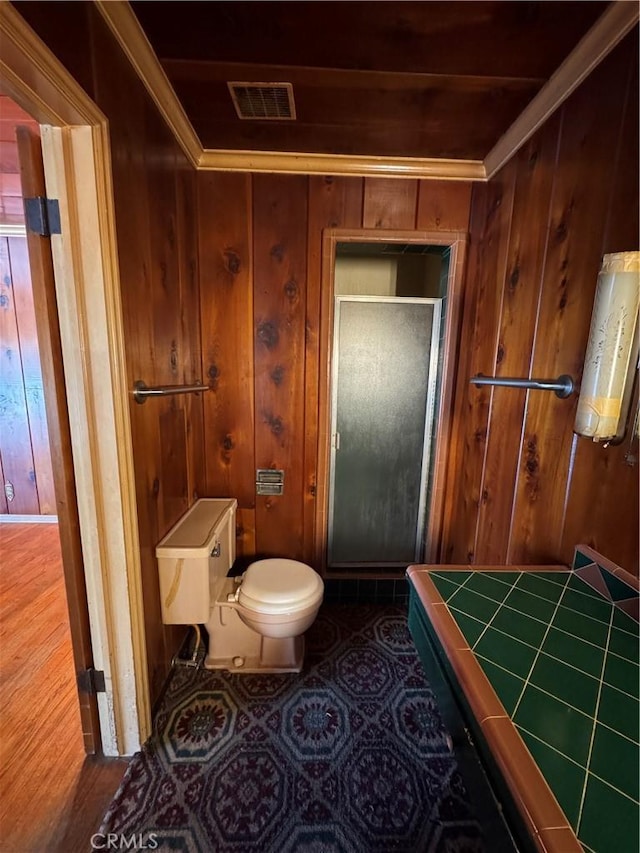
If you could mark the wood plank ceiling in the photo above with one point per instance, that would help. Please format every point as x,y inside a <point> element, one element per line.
<point>394,79</point>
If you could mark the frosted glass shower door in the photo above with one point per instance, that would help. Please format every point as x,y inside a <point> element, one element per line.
<point>383,391</point>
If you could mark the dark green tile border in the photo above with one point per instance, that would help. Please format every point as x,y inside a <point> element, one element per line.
<point>366,590</point>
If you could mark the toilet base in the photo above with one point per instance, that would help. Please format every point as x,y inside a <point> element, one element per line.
<point>236,647</point>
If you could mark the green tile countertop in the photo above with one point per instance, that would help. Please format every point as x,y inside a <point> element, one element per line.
<point>564,663</point>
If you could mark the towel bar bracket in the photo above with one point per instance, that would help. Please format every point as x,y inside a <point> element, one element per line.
<point>563,385</point>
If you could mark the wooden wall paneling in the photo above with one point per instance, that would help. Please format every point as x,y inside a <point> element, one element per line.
<point>122,98</point>
<point>8,156</point>
<point>490,222</point>
<point>591,126</point>
<point>521,285</point>
<point>15,437</point>
<point>602,498</point>
<point>174,469</point>
<point>226,292</point>
<point>333,203</point>
<point>165,280</point>
<point>443,205</point>
<point>390,203</point>
<point>11,115</point>
<point>280,261</point>
<point>32,374</point>
<point>190,347</point>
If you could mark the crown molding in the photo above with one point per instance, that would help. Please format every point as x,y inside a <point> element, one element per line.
<point>124,25</point>
<point>298,163</point>
<point>603,36</point>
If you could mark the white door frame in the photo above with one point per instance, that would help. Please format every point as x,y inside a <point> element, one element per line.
<point>77,160</point>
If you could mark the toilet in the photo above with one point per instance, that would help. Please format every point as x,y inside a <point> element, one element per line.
<point>255,622</point>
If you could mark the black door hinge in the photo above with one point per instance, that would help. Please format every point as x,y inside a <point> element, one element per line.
<point>42,215</point>
<point>91,681</point>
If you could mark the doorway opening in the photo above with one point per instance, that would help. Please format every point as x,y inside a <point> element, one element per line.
<point>389,338</point>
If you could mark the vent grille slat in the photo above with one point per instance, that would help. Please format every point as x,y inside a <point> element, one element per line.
<point>263,100</point>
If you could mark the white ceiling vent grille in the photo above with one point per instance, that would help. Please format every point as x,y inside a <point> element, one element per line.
<point>271,101</point>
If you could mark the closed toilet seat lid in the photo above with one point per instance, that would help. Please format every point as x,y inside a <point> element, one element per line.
<point>279,586</point>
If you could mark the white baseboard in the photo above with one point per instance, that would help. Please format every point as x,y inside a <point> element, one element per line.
<point>28,519</point>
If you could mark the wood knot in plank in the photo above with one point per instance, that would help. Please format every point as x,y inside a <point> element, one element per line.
<point>514,278</point>
<point>275,423</point>
<point>277,252</point>
<point>277,374</point>
<point>291,290</point>
<point>213,373</point>
<point>268,334</point>
<point>232,261</point>
<point>500,354</point>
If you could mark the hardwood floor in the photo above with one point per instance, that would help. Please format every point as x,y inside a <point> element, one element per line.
<point>52,796</point>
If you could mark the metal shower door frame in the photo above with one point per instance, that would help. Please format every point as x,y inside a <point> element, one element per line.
<point>428,419</point>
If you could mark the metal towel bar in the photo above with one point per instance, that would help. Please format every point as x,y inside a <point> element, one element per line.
<point>563,385</point>
<point>141,391</point>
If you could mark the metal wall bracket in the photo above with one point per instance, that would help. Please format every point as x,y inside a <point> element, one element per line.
<point>563,385</point>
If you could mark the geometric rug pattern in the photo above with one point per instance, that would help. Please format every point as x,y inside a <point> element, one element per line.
<point>348,756</point>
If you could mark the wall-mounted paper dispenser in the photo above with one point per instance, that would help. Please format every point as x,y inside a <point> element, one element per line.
<point>612,351</point>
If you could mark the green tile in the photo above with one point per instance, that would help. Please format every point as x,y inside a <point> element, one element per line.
<point>615,759</point>
<point>530,605</point>
<point>510,654</point>
<point>565,778</point>
<point>625,645</point>
<point>553,577</point>
<point>490,587</point>
<point>473,605</point>
<point>507,686</point>
<point>555,723</point>
<point>609,820</point>
<point>620,712</point>
<point>575,652</point>
<point>470,627</point>
<point>567,684</point>
<point>582,627</point>
<point>625,622</point>
<point>586,605</point>
<point>445,586</point>
<point>508,578</point>
<point>533,583</point>
<point>622,674</point>
<point>458,577</point>
<point>521,627</point>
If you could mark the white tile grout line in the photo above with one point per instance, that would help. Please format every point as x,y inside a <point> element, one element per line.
<point>578,711</point>
<point>595,721</point>
<point>499,608</point>
<point>551,657</point>
<point>526,682</point>
<point>577,764</point>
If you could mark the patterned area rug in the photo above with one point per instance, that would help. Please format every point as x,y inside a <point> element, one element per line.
<point>350,755</point>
